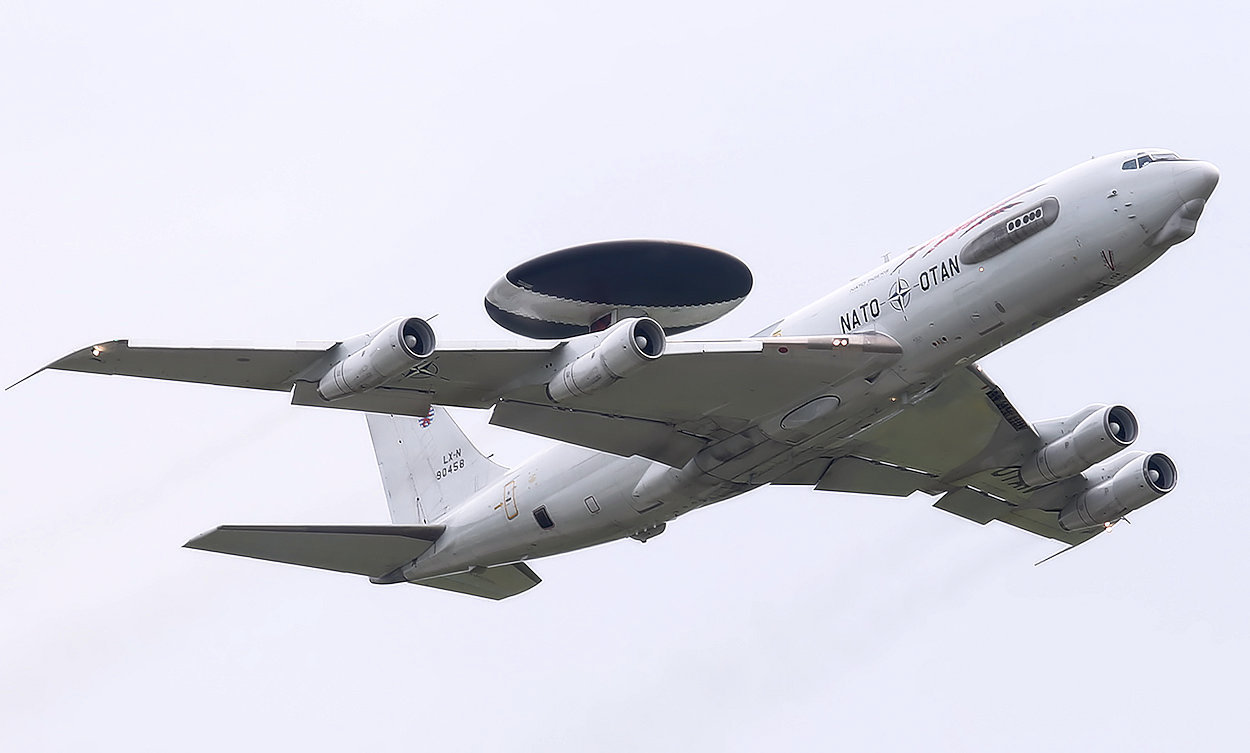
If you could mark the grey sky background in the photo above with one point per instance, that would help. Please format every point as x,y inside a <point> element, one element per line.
<point>293,171</point>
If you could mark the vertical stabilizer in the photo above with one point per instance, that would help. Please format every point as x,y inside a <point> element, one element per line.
<point>427,464</point>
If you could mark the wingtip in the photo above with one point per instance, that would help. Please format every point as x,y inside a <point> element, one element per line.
<point>195,542</point>
<point>88,359</point>
<point>23,379</point>
<point>60,363</point>
<point>1069,548</point>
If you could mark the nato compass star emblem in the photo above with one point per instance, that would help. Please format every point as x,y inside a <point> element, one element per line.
<point>900,294</point>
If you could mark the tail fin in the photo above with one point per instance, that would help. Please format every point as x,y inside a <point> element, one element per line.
<point>427,464</point>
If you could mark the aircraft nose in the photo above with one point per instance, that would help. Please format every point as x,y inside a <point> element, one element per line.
<point>1195,180</point>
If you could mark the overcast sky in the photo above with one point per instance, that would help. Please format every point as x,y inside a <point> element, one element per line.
<point>289,171</point>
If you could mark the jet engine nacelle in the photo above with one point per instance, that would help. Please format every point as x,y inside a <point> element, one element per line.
<point>1096,437</point>
<point>626,347</point>
<point>390,352</point>
<point>1141,479</point>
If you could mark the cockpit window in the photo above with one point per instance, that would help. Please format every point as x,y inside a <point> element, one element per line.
<point>1146,159</point>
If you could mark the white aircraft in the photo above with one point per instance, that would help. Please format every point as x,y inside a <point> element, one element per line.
<point>872,389</point>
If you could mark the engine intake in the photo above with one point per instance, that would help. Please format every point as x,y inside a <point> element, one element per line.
<point>1138,481</point>
<point>1096,437</point>
<point>390,352</point>
<point>626,347</point>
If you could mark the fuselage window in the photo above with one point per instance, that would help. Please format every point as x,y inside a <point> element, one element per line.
<point>592,504</point>
<point>542,517</point>
<point>1024,219</point>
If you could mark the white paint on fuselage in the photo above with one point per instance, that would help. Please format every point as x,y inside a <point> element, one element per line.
<point>950,314</point>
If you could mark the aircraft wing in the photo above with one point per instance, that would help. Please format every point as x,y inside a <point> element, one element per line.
<point>696,393</point>
<point>669,409</point>
<point>226,364</point>
<point>963,440</point>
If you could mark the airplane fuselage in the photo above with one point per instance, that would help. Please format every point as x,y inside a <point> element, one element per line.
<point>964,293</point>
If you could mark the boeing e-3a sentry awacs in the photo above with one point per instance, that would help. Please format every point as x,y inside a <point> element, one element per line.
<point>872,389</point>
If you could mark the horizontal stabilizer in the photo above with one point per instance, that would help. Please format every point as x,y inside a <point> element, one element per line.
<point>364,550</point>
<point>498,582</point>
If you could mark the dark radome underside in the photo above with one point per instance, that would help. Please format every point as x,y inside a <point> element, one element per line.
<point>564,293</point>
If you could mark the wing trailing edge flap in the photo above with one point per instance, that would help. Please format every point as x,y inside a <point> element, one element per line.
<point>862,476</point>
<point>396,401</point>
<point>972,505</point>
<point>498,582</point>
<point>982,508</point>
<point>618,435</point>
<point>858,475</point>
<point>372,550</point>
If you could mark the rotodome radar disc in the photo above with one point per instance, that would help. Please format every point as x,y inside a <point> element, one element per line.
<point>576,290</point>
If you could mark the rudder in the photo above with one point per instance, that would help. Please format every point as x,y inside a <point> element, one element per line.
<point>427,464</point>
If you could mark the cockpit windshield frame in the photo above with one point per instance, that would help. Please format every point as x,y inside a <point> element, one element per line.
<point>1145,158</point>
